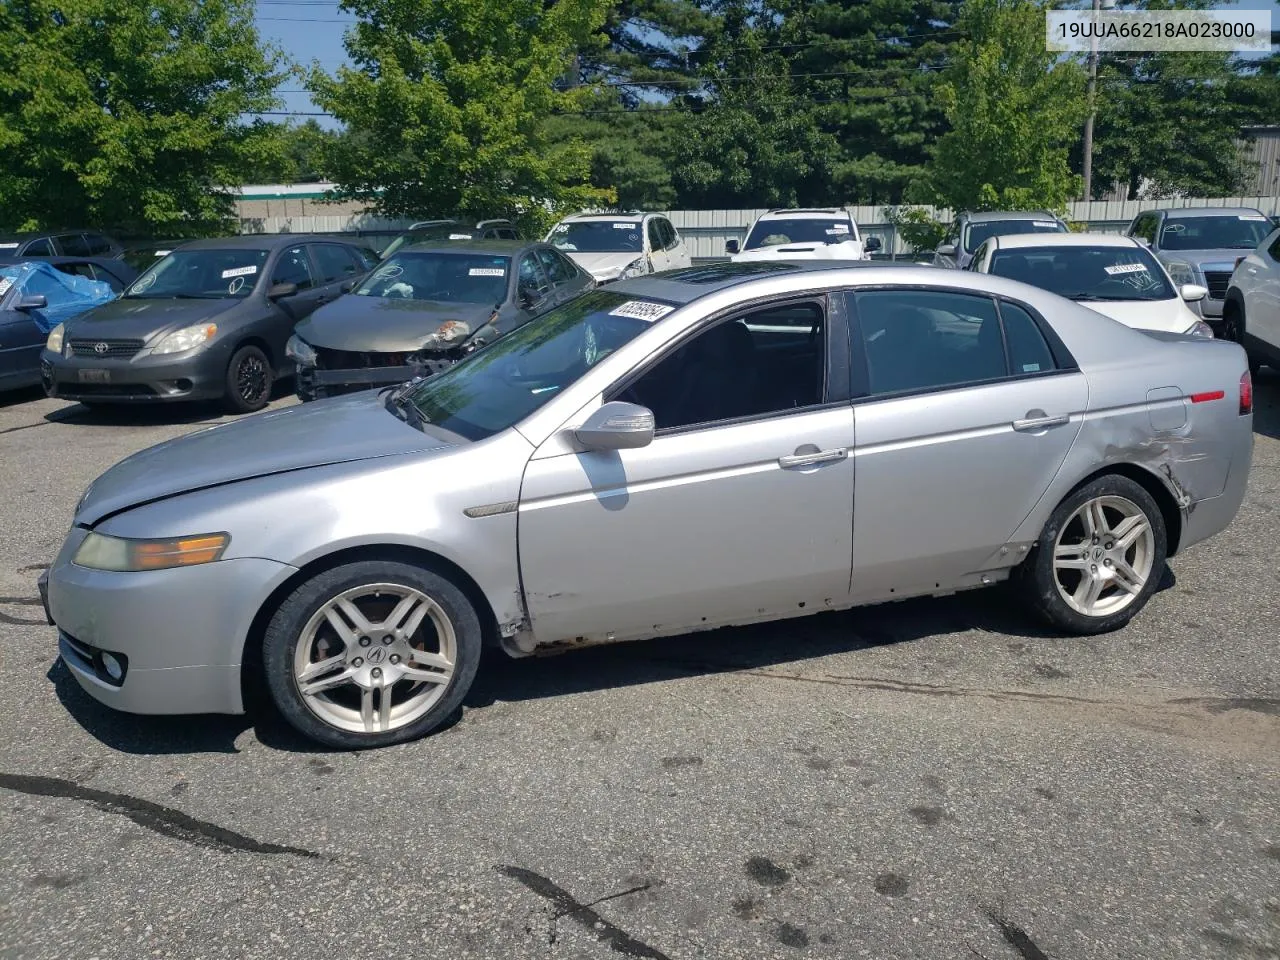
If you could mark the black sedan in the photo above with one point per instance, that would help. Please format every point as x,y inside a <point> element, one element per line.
<point>425,308</point>
<point>208,321</point>
<point>58,243</point>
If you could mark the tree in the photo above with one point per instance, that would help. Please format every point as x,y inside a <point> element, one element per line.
<point>448,103</point>
<point>1014,109</point>
<point>129,115</point>
<point>299,153</point>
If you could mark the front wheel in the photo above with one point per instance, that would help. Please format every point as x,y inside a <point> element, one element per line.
<point>1099,558</point>
<point>249,379</point>
<point>371,653</point>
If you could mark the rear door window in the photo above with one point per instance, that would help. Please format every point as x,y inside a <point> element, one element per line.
<point>74,245</point>
<point>1028,351</point>
<point>531,276</point>
<point>99,246</point>
<point>333,262</point>
<point>39,248</point>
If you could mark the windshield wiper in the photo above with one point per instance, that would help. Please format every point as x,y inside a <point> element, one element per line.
<point>401,406</point>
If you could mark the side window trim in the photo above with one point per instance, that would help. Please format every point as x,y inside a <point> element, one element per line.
<point>860,378</point>
<point>835,373</point>
<point>546,286</point>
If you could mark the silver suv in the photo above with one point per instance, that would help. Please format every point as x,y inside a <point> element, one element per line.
<point>971,230</point>
<point>1201,246</point>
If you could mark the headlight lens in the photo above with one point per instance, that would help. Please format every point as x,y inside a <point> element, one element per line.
<point>188,338</point>
<point>1182,272</point>
<point>54,343</point>
<point>300,351</point>
<point>99,551</point>
<point>636,268</point>
<point>1199,329</point>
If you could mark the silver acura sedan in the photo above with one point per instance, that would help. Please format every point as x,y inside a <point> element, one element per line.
<point>710,446</point>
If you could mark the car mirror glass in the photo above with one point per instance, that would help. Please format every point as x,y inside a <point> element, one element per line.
<point>617,426</point>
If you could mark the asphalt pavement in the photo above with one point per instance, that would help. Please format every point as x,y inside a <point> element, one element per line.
<point>934,779</point>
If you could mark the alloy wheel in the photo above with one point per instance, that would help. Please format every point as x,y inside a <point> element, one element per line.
<point>375,658</point>
<point>1104,556</point>
<point>251,379</point>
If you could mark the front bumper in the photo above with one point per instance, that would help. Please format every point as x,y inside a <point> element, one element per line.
<point>1209,310</point>
<point>314,383</point>
<point>180,632</point>
<point>195,375</point>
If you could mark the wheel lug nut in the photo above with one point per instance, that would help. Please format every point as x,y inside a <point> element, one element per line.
<point>1094,568</point>
<point>1107,562</point>
<point>395,658</point>
<point>376,671</point>
<point>388,638</point>
<point>364,641</point>
<point>357,662</point>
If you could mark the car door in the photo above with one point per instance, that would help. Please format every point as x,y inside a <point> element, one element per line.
<point>740,509</point>
<point>658,258</point>
<point>677,251</point>
<point>335,266</point>
<point>292,265</point>
<point>959,436</point>
<point>21,336</point>
<point>559,273</point>
<point>1262,292</point>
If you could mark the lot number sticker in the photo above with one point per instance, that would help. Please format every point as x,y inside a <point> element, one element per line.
<point>623,226</point>
<point>839,228</point>
<point>5,284</point>
<point>1046,224</point>
<point>240,272</point>
<point>1122,268</point>
<point>642,310</point>
<point>486,272</point>
<point>8,246</point>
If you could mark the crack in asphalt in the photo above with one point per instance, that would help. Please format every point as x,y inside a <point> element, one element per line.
<point>152,816</point>
<point>1017,938</point>
<point>582,913</point>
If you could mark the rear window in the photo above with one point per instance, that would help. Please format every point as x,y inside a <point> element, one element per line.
<point>976,234</point>
<point>773,233</point>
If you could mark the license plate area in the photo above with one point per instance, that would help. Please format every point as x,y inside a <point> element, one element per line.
<point>94,376</point>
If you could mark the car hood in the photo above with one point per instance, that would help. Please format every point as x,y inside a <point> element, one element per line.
<point>340,430</point>
<point>604,266</point>
<point>846,250</point>
<point>1171,316</point>
<point>143,319</point>
<point>1220,259</point>
<point>385,324</point>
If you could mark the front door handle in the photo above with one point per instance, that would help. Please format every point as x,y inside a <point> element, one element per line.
<point>1037,420</point>
<point>816,457</point>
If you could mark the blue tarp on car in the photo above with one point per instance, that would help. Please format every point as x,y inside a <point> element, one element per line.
<point>68,295</point>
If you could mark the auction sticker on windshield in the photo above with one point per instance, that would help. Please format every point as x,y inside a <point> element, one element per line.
<point>642,310</point>
<point>240,272</point>
<point>1046,224</point>
<point>5,284</point>
<point>8,246</point>
<point>1118,268</point>
<point>486,272</point>
<point>623,226</point>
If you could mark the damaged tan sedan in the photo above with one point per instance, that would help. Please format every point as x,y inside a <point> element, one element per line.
<point>705,447</point>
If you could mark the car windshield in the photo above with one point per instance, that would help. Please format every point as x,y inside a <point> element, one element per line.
<point>599,236</point>
<point>500,385</point>
<point>773,233</point>
<point>1086,273</point>
<point>976,234</point>
<point>201,275</point>
<point>1242,231</point>
<point>449,230</point>
<point>442,277</point>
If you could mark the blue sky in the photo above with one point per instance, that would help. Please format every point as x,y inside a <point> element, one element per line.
<point>308,30</point>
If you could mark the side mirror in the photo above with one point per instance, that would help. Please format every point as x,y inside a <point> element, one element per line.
<point>279,291</point>
<point>872,244</point>
<point>617,426</point>
<point>528,298</point>
<point>36,301</point>
<point>946,250</point>
<point>1192,292</point>
<point>731,246</point>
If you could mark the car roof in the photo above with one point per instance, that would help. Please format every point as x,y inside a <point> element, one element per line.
<point>801,213</point>
<point>264,242</point>
<point>986,216</point>
<point>505,247</point>
<point>1017,241</point>
<point>690,283</point>
<point>1190,212</point>
<point>634,215</point>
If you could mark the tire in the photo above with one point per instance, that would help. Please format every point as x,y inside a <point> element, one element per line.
<point>248,380</point>
<point>1078,601</point>
<point>343,707</point>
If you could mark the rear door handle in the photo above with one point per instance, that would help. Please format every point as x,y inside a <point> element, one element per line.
<point>1039,421</point>
<point>810,459</point>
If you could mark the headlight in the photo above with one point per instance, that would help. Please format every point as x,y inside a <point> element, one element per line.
<point>188,338</point>
<point>101,552</point>
<point>1181,272</point>
<point>299,350</point>
<point>448,334</point>
<point>54,343</point>
<point>1199,329</point>
<point>636,268</point>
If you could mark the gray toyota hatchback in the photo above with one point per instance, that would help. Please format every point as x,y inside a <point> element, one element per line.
<point>208,321</point>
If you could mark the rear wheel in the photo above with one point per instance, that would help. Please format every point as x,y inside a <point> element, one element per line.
<point>1099,559</point>
<point>249,379</point>
<point>371,653</point>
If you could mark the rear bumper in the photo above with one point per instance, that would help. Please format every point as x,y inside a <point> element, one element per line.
<point>199,375</point>
<point>1204,518</point>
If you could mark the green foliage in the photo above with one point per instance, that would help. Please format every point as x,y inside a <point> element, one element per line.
<point>128,115</point>
<point>298,153</point>
<point>448,105</point>
<point>918,230</point>
<point>1015,110</point>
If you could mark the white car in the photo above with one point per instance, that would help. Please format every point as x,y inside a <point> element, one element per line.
<point>1114,275</point>
<point>618,246</point>
<point>817,234</point>
<point>1251,314</point>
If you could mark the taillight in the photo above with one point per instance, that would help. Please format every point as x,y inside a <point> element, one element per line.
<point>1246,393</point>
